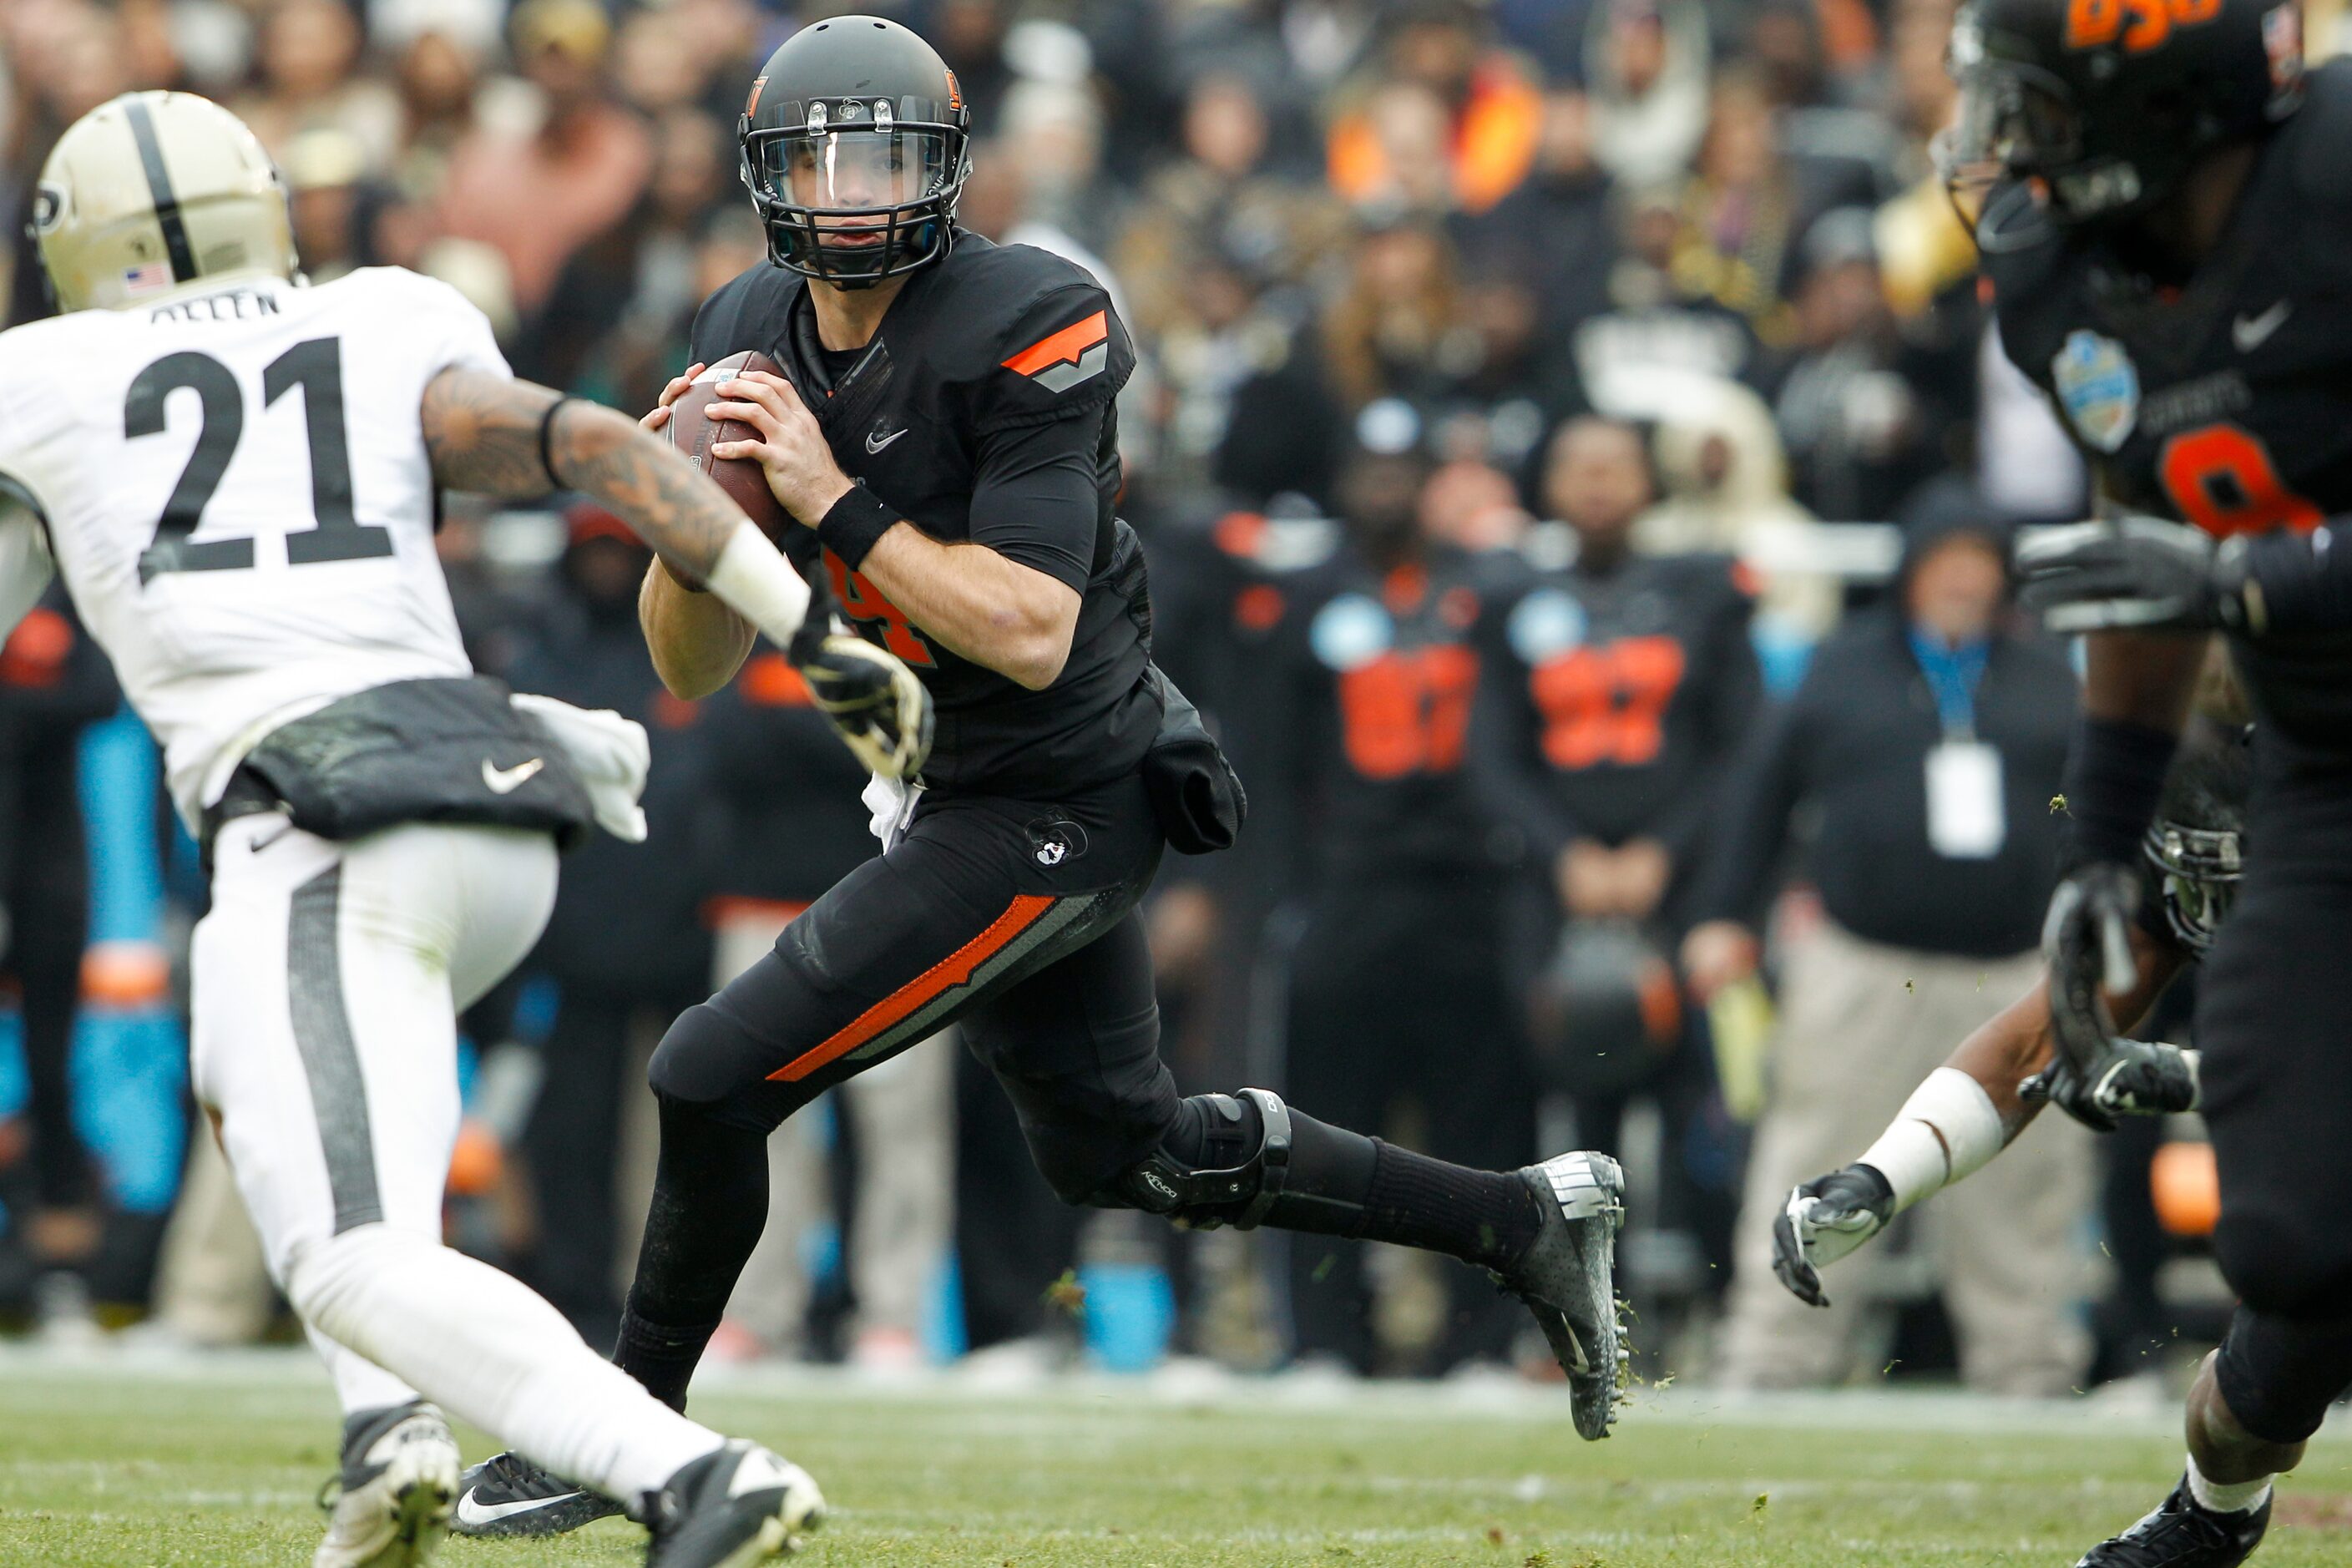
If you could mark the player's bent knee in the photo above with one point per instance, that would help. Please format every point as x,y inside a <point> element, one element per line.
<point>1224,1162</point>
<point>702,1058</point>
<point>2278,1264</point>
<point>2278,1375</point>
<point>327,1280</point>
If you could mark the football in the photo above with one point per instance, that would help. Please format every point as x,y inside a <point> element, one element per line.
<point>693,434</point>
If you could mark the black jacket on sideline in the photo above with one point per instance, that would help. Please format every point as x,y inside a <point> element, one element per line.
<point>1851,748</point>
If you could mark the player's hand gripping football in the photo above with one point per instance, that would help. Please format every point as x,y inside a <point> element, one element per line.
<point>2087,940</point>
<point>880,709</point>
<point>2132,573</point>
<point>1823,1221</point>
<point>791,449</point>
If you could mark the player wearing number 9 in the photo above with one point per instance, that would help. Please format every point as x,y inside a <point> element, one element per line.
<point>2167,231</point>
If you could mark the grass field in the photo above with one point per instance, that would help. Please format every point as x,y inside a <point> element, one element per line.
<point>130,1466</point>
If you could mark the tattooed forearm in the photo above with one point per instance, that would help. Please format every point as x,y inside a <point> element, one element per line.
<point>483,432</point>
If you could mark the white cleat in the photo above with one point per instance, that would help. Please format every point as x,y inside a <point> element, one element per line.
<point>399,1477</point>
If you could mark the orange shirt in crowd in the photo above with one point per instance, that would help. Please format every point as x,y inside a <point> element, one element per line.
<point>1494,143</point>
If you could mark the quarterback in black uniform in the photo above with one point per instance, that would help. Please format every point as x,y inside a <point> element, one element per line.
<point>969,388</point>
<point>2168,239</point>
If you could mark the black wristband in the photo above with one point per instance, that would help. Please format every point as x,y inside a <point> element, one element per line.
<point>2114,781</point>
<point>546,430</point>
<point>853,524</point>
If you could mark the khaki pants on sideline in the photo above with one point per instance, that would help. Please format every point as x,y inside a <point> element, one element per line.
<point>905,1202</point>
<point>1861,1026</point>
<point>212,1284</point>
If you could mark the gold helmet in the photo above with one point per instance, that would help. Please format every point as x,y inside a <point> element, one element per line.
<point>152,191</point>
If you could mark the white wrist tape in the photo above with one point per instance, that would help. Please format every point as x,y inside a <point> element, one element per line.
<point>1913,1157</point>
<point>756,581</point>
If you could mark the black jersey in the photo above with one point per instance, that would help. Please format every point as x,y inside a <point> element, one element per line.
<point>1370,678</point>
<point>2226,403</point>
<point>982,410</point>
<point>1613,700</point>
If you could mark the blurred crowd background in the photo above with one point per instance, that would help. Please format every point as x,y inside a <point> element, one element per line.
<point>1576,473</point>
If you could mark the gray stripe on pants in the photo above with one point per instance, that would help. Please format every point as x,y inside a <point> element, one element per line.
<point>331,1057</point>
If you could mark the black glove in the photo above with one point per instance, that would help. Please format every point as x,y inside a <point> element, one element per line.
<point>2133,1077</point>
<point>1823,1221</point>
<point>879,709</point>
<point>2087,940</point>
<point>2131,571</point>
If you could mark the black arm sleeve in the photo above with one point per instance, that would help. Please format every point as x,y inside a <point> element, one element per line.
<point>1038,499</point>
<point>1764,793</point>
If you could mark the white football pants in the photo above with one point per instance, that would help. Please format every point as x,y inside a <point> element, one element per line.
<point>326,981</point>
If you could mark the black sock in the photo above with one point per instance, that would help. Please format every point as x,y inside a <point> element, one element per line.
<point>710,1206</point>
<point>1483,1217</point>
<point>1344,1183</point>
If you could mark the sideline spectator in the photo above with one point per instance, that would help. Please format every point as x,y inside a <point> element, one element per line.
<point>537,194</point>
<point>53,681</point>
<point>1397,1001</point>
<point>1615,690</point>
<point>1926,743</point>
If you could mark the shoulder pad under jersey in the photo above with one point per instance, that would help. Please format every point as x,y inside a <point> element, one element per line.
<point>1028,336</point>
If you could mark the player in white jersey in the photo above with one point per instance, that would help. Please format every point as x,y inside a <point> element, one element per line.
<point>237,476</point>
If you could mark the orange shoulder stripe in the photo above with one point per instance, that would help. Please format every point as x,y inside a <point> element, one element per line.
<point>1065,345</point>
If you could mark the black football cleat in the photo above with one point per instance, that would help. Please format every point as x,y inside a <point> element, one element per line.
<point>508,1495</point>
<point>1568,1279</point>
<point>730,1509</point>
<point>2184,1533</point>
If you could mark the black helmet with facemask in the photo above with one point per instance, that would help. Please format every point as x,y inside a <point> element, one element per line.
<point>855,144</point>
<point>2106,103</point>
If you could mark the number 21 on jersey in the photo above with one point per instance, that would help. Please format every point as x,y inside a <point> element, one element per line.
<point>316,367</point>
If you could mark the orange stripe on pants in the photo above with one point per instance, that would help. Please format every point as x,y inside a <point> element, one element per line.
<point>955,970</point>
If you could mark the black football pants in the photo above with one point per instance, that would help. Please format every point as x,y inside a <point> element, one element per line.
<point>2274,1020</point>
<point>1397,995</point>
<point>1016,921</point>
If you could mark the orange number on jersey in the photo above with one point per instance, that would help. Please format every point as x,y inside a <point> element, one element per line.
<point>861,601</point>
<point>2092,24</point>
<point>1607,704</point>
<point>1407,713</point>
<point>2222,479</point>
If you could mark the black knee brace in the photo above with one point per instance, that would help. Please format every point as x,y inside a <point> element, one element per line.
<point>1224,1162</point>
<point>2278,1375</point>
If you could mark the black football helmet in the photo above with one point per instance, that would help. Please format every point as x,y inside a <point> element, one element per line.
<point>855,144</point>
<point>2196,847</point>
<point>2107,102</point>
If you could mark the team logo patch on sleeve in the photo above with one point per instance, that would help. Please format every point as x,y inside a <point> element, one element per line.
<point>2099,386</point>
<point>1074,355</point>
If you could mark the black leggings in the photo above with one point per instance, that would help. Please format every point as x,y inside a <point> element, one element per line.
<point>2272,1019</point>
<point>45,881</point>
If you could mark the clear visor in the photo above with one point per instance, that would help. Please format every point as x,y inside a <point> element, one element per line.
<point>861,174</point>
<point>2007,123</point>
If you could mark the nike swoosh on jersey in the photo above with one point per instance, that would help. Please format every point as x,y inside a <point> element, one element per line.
<point>874,444</point>
<point>2251,332</point>
<point>476,1513</point>
<point>505,781</point>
